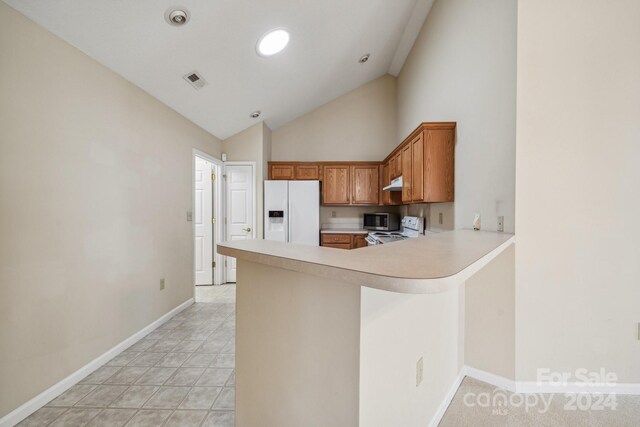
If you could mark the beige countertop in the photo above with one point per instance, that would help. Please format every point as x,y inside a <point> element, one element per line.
<point>420,265</point>
<point>344,231</point>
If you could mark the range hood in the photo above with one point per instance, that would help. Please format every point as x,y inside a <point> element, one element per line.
<point>396,185</point>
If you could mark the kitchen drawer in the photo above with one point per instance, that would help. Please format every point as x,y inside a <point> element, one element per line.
<point>336,238</point>
<point>337,245</point>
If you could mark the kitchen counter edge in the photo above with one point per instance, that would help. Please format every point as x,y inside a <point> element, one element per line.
<point>440,262</point>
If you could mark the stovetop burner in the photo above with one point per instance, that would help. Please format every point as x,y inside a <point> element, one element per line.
<point>411,227</point>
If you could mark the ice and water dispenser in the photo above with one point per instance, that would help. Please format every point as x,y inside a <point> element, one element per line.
<point>275,225</point>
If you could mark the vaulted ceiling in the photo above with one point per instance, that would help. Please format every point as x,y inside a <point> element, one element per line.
<point>320,63</point>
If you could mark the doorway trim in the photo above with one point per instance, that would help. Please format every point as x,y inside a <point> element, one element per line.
<point>254,230</point>
<point>218,213</point>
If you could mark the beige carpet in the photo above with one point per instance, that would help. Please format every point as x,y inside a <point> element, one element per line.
<point>473,405</point>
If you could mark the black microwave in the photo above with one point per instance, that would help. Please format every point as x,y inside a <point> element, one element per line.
<point>381,221</point>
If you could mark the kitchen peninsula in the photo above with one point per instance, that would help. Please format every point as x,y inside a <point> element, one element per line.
<point>373,337</point>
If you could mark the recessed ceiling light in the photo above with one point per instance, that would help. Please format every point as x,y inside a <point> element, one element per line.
<point>176,17</point>
<point>272,42</point>
<point>255,114</point>
<point>364,58</point>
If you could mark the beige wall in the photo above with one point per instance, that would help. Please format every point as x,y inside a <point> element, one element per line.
<point>360,125</point>
<point>577,180</point>
<point>95,178</point>
<point>252,144</point>
<point>395,331</point>
<point>490,324</point>
<point>306,331</point>
<point>462,68</point>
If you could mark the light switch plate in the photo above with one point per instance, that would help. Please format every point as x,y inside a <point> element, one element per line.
<point>162,284</point>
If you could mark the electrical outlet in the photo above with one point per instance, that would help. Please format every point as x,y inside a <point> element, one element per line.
<point>162,284</point>
<point>333,214</point>
<point>419,371</point>
<point>500,223</point>
<point>189,216</point>
<point>440,218</point>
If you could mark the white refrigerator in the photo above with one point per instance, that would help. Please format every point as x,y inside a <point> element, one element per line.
<point>292,211</point>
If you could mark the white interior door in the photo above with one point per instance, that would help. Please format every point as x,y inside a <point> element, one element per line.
<point>241,214</point>
<point>202,217</point>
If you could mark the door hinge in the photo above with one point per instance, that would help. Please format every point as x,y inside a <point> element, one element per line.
<point>225,221</point>
<point>213,177</point>
<point>225,262</point>
<point>224,176</point>
<point>213,220</point>
<point>213,264</point>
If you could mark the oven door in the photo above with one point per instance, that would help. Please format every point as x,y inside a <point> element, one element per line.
<point>376,221</point>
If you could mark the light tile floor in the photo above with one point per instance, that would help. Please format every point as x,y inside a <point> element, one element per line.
<point>218,293</point>
<point>181,374</point>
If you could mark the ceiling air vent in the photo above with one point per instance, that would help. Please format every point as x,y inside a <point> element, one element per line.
<point>195,79</point>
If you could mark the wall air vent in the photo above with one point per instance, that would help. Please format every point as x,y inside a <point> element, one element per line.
<point>195,79</point>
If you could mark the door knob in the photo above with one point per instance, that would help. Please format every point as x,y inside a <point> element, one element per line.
<point>248,230</point>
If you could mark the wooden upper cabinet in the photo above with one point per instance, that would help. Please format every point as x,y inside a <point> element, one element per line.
<point>365,185</point>
<point>395,165</point>
<point>295,171</point>
<point>398,165</point>
<point>385,179</point>
<point>336,188</point>
<point>425,160</point>
<point>310,172</point>
<point>406,173</point>
<point>439,163</point>
<point>281,171</point>
<point>417,168</point>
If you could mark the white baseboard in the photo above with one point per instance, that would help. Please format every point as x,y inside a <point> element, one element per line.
<point>576,388</point>
<point>437,417</point>
<point>526,387</point>
<point>28,408</point>
<point>489,378</point>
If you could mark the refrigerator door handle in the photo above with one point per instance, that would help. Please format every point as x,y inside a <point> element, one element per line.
<point>289,216</point>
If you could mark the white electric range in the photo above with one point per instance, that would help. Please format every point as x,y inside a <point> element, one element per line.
<point>412,226</point>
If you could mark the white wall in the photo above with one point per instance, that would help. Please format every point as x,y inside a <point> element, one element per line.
<point>95,184</point>
<point>577,211</point>
<point>462,68</point>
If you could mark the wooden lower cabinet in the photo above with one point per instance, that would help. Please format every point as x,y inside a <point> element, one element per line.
<point>360,241</point>
<point>343,241</point>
